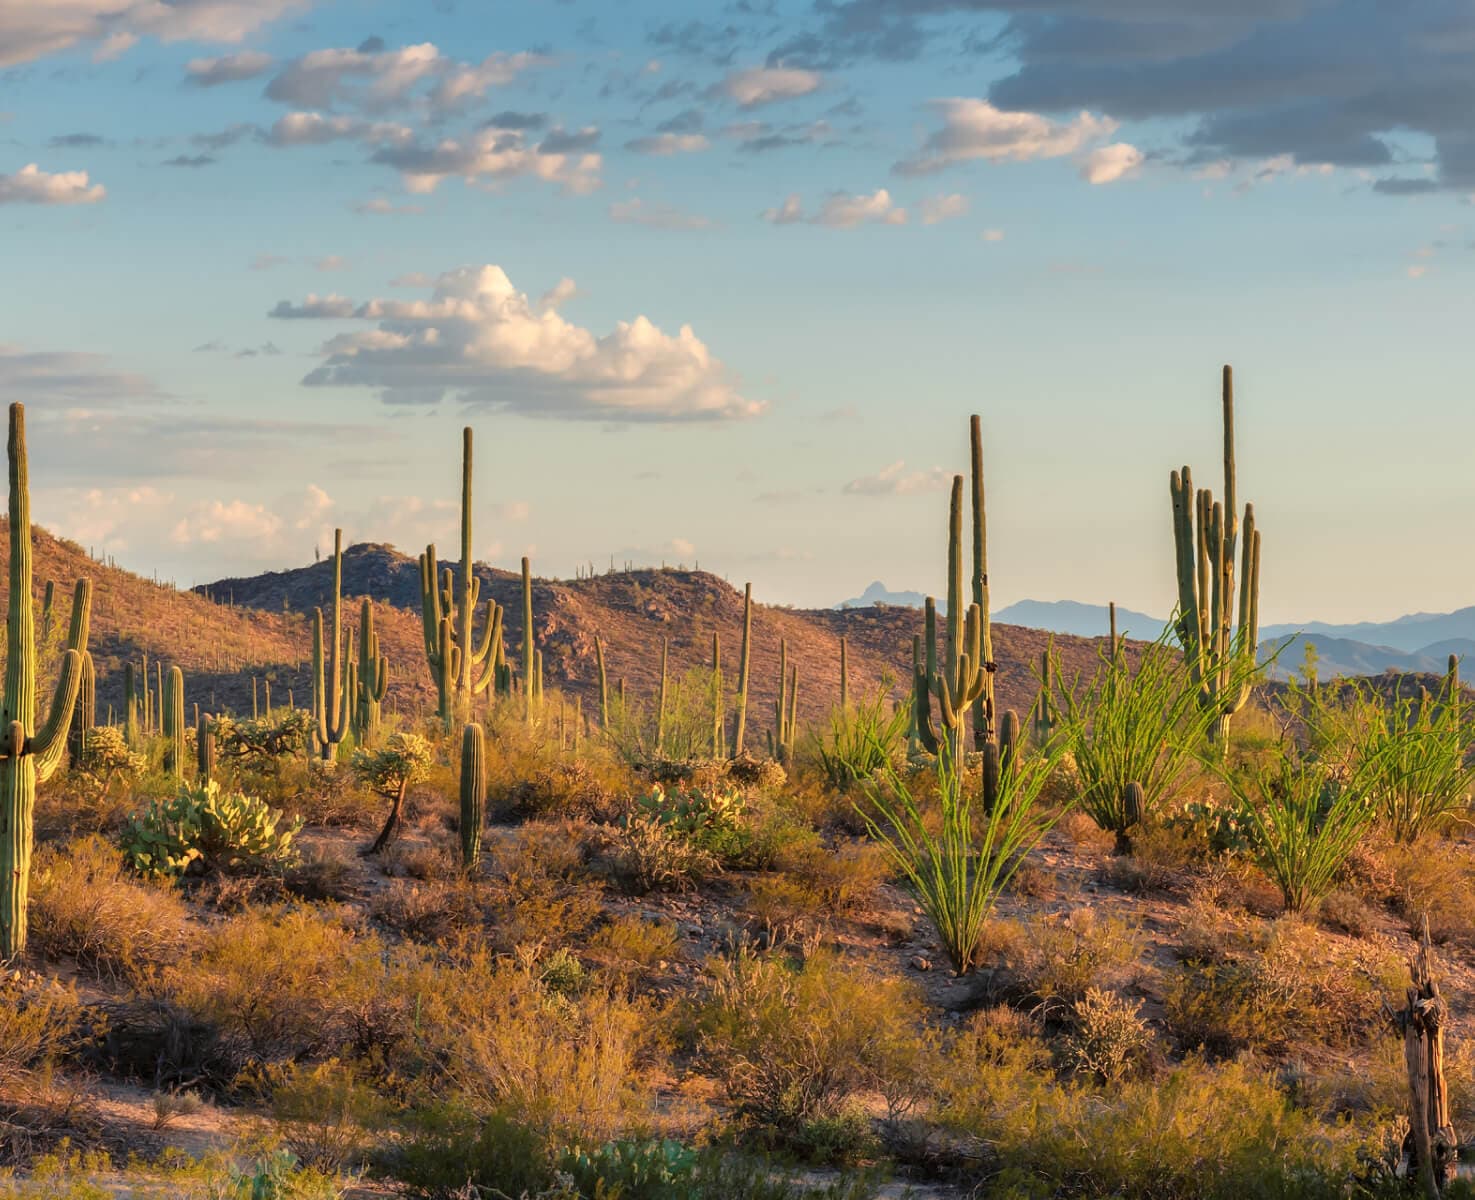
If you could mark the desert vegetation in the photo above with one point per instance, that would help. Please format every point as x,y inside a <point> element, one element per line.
<point>471,906</point>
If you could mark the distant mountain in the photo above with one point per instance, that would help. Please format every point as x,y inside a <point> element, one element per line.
<point>878,594</point>
<point>1346,656</point>
<point>1413,633</point>
<point>1080,620</point>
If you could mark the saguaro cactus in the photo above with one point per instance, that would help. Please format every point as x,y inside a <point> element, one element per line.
<point>460,667</point>
<point>1220,651</point>
<point>603,684</point>
<point>743,667</point>
<point>28,754</point>
<point>132,705</point>
<point>173,706</point>
<point>84,718</point>
<point>331,694</point>
<point>661,700</point>
<point>983,706</point>
<point>205,748</point>
<point>473,794</point>
<point>719,731</point>
<point>785,708</point>
<point>960,680</point>
<point>844,675</point>
<point>373,678</point>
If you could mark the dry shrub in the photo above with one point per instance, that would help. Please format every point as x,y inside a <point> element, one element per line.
<point>324,873</point>
<point>332,797</point>
<point>837,879</point>
<point>629,945</point>
<point>648,853</point>
<point>39,1019</point>
<point>280,985</point>
<point>1436,879</point>
<point>85,905</point>
<point>326,1113</point>
<point>1347,912</point>
<point>539,889</point>
<point>502,1039</point>
<point>794,1043</point>
<point>1108,1040</point>
<point>1065,958</point>
<point>419,860</point>
<point>1278,988</point>
<point>428,912</point>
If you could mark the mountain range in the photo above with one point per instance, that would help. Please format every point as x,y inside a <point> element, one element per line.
<point>1418,642</point>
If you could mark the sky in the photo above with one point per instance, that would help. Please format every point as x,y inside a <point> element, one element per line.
<point>720,284</point>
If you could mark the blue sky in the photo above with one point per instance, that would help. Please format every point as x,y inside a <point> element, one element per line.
<point>721,283</point>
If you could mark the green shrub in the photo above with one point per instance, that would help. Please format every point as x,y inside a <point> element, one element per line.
<point>204,829</point>
<point>862,739</point>
<point>633,1170</point>
<point>450,1150</point>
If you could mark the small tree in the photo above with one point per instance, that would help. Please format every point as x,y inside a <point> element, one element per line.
<point>404,760</point>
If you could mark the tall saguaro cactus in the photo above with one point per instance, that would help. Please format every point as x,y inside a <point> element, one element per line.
<point>28,754</point>
<point>331,692</point>
<point>462,668</point>
<point>983,706</point>
<point>529,649</point>
<point>173,721</point>
<point>373,678</point>
<point>744,663</point>
<point>473,794</point>
<point>960,679</point>
<point>1219,648</point>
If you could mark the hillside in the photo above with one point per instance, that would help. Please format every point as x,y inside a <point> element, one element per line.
<point>633,611</point>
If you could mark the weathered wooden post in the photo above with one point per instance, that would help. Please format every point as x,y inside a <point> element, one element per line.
<point>1431,1147</point>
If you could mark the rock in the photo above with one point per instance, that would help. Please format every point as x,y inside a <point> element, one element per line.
<point>918,963</point>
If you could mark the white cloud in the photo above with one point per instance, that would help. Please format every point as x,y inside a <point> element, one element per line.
<point>663,145</point>
<point>381,207</point>
<point>896,481</point>
<point>756,86</point>
<point>636,211</point>
<point>488,154</point>
<point>211,72</point>
<point>31,29</point>
<point>840,210</point>
<point>992,235</point>
<point>975,129</point>
<point>316,129</point>
<point>31,185</point>
<point>936,209</point>
<point>1107,164</point>
<point>375,81</point>
<point>479,339</point>
<point>218,521</point>
<point>60,378</point>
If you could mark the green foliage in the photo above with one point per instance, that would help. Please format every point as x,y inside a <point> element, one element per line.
<point>1142,725</point>
<point>1304,822</point>
<point>958,867</point>
<point>204,829</point>
<point>262,742</point>
<point>679,731</point>
<point>404,760</point>
<point>1407,750</point>
<point>451,1150</point>
<point>862,739</point>
<point>634,1170</point>
<point>105,757</point>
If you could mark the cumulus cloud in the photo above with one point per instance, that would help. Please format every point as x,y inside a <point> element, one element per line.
<point>1107,164</point>
<point>31,29</point>
<point>896,480</point>
<point>757,86</point>
<point>480,340</point>
<point>663,145</point>
<point>232,68</point>
<point>31,185</point>
<point>975,129</point>
<point>317,129</point>
<point>841,210</point>
<point>936,209</point>
<point>67,378</point>
<point>636,211</point>
<point>314,308</point>
<point>372,79</point>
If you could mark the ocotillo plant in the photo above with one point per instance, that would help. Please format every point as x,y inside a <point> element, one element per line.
<point>173,707</point>
<point>983,706</point>
<point>205,748</point>
<point>473,794</point>
<point>743,669</point>
<point>462,668</point>
<point>1205,532</point>
<point>373,678</point>
<point>28,754</point>
<point>961,679</point>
